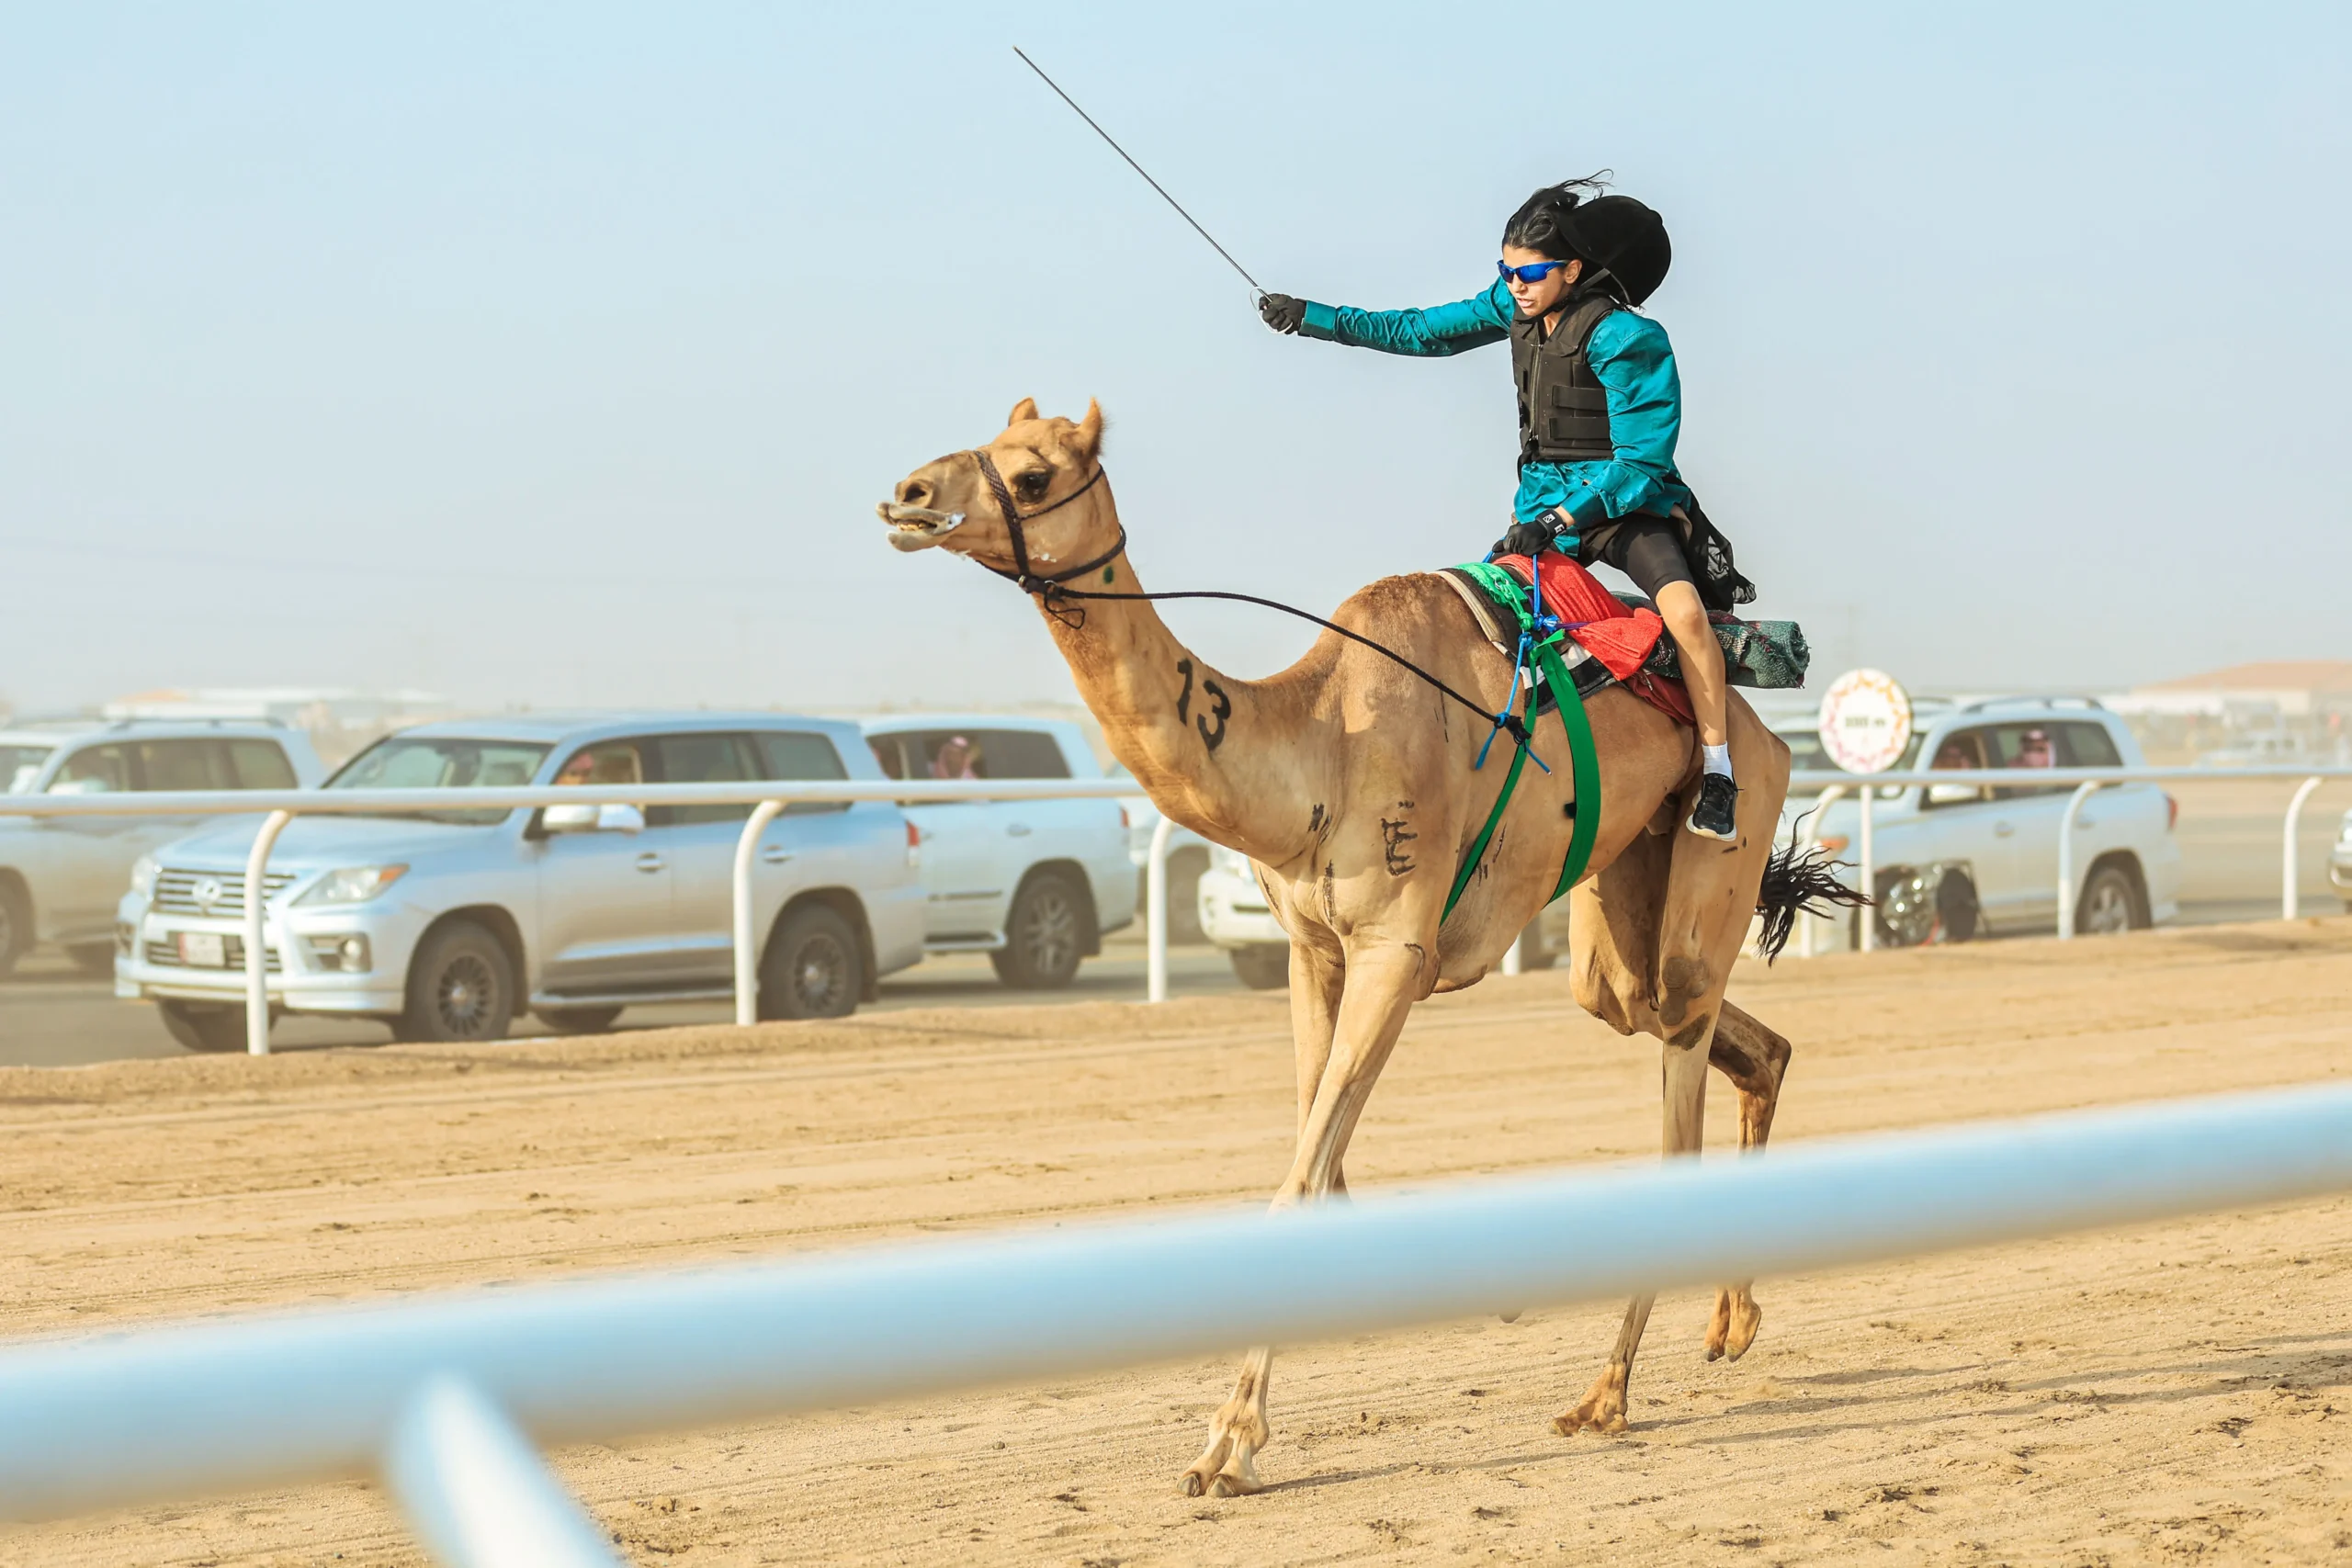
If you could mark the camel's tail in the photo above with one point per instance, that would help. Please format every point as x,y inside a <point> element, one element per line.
<point>1800,882</point>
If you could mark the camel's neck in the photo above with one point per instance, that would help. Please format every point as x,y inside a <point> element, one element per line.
<point>1231,760</point>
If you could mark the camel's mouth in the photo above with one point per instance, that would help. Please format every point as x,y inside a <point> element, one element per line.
<point>917,528</point>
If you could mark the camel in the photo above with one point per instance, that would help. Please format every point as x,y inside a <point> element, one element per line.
<point>1350,782</point>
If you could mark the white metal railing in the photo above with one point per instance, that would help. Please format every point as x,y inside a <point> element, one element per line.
<point>1835,785</point>
<point>280,806</point>
<point>438,1392</point>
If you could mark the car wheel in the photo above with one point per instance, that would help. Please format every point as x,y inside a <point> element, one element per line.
<point>1956,908</point>
<point>577,1021</point>
<point>200,1028</point>
<point>1264,966</point>
<point>92,958</point>
<point>812,968</point>
<point>16,926</point>
<point>2110,905</point>
<point>460,987</point>
<point>1905,910</point>
<point>1045,937</point>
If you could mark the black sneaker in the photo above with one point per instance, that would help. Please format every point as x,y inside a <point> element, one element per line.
<point>1711,817</point>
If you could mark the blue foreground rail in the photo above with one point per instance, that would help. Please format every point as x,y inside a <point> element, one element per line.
<point>271,1400</point>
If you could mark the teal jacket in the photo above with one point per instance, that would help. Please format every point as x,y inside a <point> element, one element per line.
<point>1630,353</point>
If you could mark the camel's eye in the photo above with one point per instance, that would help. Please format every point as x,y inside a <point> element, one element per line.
<point>1031,486</point>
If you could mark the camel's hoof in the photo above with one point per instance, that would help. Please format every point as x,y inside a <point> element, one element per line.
<point>1195,1484</point>
<point>1744,1324</point>
<point>1731,1330</point>
<point>1592,1416</point>
<point>1228,1484</point>
<point>1512,1315</point>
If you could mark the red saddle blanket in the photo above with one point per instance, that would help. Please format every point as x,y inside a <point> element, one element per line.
<point>1612,631</point>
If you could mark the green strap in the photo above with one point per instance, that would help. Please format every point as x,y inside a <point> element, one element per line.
<point>1584,766</point>
<point>1584,761</point>
<point>1486,834</point>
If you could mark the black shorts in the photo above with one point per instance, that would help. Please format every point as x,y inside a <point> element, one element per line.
<point>1646,548</point>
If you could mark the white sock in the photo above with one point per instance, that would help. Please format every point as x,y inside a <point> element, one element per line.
<point>1718,759</point>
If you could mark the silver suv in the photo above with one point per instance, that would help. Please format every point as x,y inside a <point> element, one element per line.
<point>60,875</point>
<point>445,924</point>
<point>1960,860</point>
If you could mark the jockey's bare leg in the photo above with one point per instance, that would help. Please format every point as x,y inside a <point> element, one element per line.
<point>1703,658</point>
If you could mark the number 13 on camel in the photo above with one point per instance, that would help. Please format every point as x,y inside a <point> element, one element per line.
<point>1352,780</point>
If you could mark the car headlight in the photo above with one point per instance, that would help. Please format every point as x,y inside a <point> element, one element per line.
<point>143,877</point>
<point>355,884</point>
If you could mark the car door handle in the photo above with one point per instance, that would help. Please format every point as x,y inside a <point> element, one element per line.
<point>774,855</point>
<point>1017,830</point>
<point>651,862</point>
<point>2003,830</point>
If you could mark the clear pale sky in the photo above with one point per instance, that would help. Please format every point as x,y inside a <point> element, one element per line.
<point>558,353</point>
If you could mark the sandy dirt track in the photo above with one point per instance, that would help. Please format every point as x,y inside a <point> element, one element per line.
<point>2167,1392</point>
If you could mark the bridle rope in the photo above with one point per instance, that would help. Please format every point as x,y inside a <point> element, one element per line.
<point>1052,590</point>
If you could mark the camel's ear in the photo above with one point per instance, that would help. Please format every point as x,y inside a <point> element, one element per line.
<point>1022,413</point>
<point>1088,440</point>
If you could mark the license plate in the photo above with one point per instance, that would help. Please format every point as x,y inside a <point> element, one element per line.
<point>204,950</point>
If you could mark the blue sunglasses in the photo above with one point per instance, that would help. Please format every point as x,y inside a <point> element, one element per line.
<point>1533,271</point>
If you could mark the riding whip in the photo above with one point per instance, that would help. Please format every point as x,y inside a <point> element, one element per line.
<point>1138,168</point>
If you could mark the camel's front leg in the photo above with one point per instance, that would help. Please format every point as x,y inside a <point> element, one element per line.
<point>1755,1059</point>
<point>1603,1409</point>
<point>1376,989</point>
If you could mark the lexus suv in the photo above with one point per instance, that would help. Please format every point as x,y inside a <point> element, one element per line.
<point>60,875</point>
<point>445,924</point>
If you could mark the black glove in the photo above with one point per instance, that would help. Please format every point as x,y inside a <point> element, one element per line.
<point>1525,540</point>
<point>1282,312</point>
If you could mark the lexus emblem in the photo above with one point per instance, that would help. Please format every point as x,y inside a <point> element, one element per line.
<point>206,892</point>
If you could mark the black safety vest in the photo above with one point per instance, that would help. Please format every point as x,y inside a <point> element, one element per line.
<point>1562,408</point>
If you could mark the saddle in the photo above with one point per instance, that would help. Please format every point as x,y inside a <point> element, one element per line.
<point>1620,639</point>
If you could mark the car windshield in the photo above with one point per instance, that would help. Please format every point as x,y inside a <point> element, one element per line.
<point>435,762</point>
<point>19,764</point>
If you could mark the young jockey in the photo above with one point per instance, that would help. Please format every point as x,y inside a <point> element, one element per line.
<point>1600,407</point>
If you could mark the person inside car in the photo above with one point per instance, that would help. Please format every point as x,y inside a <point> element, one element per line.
<point>2033,751</point>
<point>955,759</point>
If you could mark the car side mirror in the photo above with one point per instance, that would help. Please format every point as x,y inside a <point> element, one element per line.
<point>1952,794</point>
<point>586,819</point>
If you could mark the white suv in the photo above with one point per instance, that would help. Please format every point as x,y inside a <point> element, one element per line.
<point>60,875</point>
<point>1033,884</point>
<point>1960,860</point>
<point>447,923</point>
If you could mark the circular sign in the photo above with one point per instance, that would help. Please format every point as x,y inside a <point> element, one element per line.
<point>1865,721</point>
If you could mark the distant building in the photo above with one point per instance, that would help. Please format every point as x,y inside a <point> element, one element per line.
<point>2277,688</point>
<point>2273,711</point>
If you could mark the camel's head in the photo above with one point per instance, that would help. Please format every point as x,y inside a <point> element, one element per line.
<point>1047,466</point>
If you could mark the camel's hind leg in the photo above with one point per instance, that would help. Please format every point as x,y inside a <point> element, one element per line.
<point>1603,1410</point>
<point>1755,1059</point>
